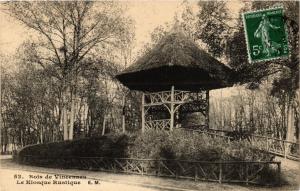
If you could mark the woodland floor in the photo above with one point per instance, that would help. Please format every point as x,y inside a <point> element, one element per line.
<point>111,181</point>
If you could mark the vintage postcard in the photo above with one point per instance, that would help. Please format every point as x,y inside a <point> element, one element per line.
<point>149,95</point>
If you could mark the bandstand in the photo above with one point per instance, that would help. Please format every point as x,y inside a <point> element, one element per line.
<point>175,77</point>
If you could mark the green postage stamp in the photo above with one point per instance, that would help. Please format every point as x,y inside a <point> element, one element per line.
<point>266,35</point>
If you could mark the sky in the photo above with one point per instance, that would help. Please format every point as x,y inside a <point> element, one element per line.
<point>146,14</point>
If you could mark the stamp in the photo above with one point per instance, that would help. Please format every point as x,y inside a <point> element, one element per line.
<point>265,34</point>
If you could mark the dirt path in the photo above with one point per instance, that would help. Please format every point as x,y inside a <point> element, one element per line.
<point>290,171</point>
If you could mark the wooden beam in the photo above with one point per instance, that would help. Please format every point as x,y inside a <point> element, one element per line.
<point>172,109</point>
<point>207,108</point>
<point>123,114</point>
<point>143,112</point>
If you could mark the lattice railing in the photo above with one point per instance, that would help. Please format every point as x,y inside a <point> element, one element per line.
<point>158,97</point>
<point>273,145</point>
<point>228,171</point>
<point>165,97</point>
<point>210,134</point>
<point>276,146</point>
<point>162,124</point>
<point>181,96</point>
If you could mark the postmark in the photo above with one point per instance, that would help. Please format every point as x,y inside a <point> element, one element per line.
<point>265,35</point>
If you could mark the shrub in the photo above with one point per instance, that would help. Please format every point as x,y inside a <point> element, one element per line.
<point>105,146</point>
<point>178,144</point>
<point>185,145</point>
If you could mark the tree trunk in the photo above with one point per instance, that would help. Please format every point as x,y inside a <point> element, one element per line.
<point>41,134</point>
<point>72,115</point>
<point>41,131</point>
<point>21,138</point>
<point>103,125</point>
<point>65,122</point>
<point>52,133</point>
<point>90,123</point>
<point>64,114</point>
<point>5,147</point>
<point>290,124</point>
<point>87,123</point>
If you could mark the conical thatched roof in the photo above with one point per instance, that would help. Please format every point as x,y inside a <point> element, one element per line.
<point>176,60</point>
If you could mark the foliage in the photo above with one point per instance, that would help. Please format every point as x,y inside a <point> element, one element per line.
<point>65,74</point>
<point>28,103</point>
<point>282,74</point>
<point>105,146</point>
<point>184,20</point>
<point>183,145</point>
<point>70,38</point>
<point>225,36</point>
<point>212,25</point>
<point>254,110</point>
<point>179,145</point>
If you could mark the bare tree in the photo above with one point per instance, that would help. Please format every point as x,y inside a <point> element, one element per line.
<point>68,33</point>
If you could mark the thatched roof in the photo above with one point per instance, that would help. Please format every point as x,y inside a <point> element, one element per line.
<point>176,60</point>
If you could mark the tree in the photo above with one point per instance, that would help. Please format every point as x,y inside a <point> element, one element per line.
<point>213,26</point>
<point>283,72</point>
<point>224,35</point>
<point>286,83</point>
<point>68,33</point>
<point>189,20</point>
<point>5,105</point>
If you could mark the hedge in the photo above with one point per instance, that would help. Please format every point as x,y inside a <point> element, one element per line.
<point>181,145</point>
<point>114,146</point>
<point>178,145</point>
<point>184,145</point>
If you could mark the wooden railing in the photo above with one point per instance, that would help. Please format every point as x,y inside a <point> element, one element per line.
<point>210,134</point>
<point>276,146</point>
<point>163,97</point>
<point>161,124</point>
<point>279,147</point>
<point>228,171</point>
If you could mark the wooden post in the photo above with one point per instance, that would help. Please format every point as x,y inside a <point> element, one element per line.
<point>279,173</point>
<point>290,129</point>
<point>220,173</point>
<point>123,114</point>
<point>158,172</point>
<point>143,112</point>
<point>196,173</point>
<point>172,109</point>
<point>290,123</point>
<point>247,179</point>
<point>114,166</point>
<point>285,147</point>
<point>207,108</point>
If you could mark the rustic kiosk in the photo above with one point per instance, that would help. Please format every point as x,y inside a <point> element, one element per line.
<point>175,77</point>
